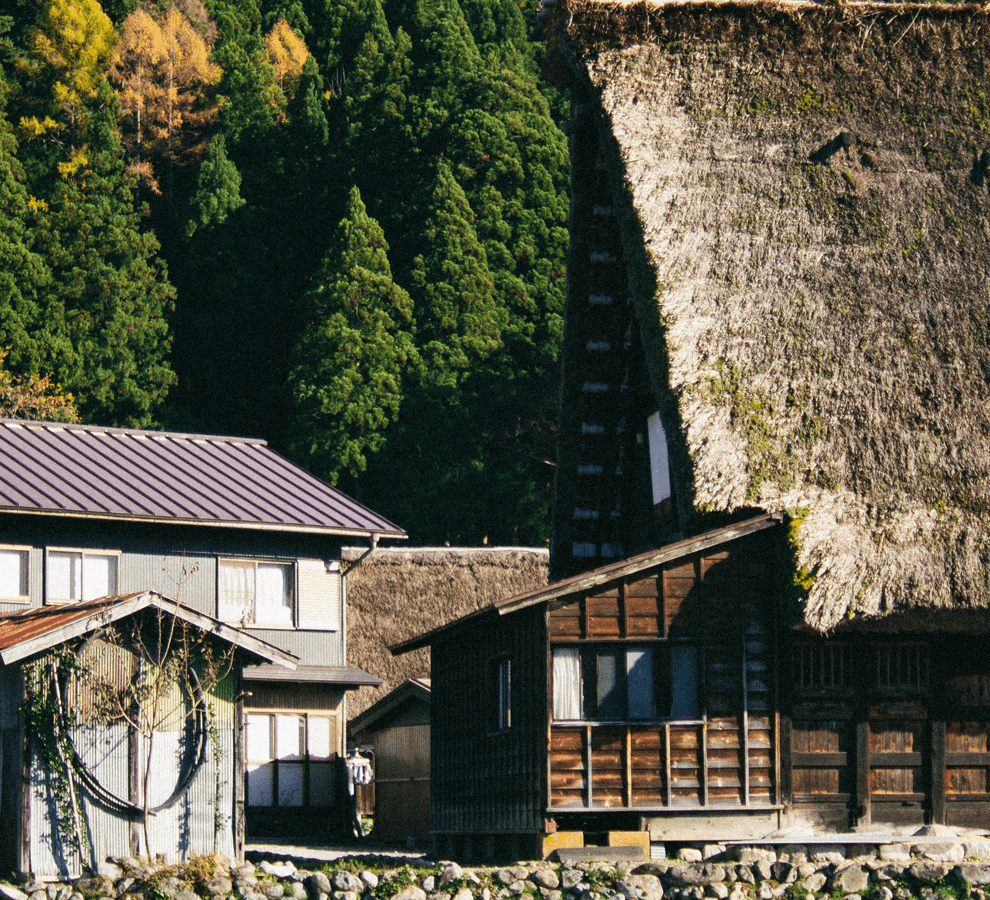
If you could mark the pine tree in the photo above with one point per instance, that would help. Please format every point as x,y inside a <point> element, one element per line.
<point>218,189</point>
<point>347,381</point>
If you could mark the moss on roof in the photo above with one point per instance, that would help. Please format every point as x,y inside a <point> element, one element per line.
<point>811,185</point>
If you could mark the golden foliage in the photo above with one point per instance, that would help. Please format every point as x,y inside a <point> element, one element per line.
<point>164,78</point>
<point>288,54</point>
<point>74,42</point>
<point>34,397</point>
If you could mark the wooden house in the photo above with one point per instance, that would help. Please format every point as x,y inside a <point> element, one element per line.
<point>120,733</point>
<point>769,568</point>
<point>395,733</point>
<point>229,529</point>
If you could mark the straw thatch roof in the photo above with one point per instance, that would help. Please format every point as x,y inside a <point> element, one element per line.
<point>397,593</point>
<point>807,221</point>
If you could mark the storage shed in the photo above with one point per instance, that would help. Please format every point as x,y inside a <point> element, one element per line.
<point>396,732</point>
<point>122,733</point>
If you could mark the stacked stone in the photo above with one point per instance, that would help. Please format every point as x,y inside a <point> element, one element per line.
<point>800,872</point>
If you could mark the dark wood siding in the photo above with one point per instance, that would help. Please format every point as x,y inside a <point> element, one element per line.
<point>485,780</point>
<point>715,608</point>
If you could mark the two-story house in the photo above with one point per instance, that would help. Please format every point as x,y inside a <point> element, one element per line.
<point>226,527</point>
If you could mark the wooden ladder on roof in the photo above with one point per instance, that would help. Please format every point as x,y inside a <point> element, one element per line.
<point>596,362</point>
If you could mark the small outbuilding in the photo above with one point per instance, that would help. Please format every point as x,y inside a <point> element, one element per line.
<point>396,733</point>
<point>122,733</point>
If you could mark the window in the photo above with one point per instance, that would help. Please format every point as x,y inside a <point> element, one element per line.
<point>14,574</point>
<point>255,593</point>
<point>659,464</point>
<point>502,677</point>
<point>81,575</point>
<point>289,758</point>
<point>613,682</point>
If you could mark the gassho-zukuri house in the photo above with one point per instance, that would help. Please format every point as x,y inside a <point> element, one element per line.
<point>769,568</point>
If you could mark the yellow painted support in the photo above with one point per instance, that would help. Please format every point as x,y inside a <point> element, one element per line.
<point>566,840</point>
<point>630,839</point>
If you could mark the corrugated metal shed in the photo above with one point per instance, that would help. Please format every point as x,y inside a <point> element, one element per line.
<point>32,631</point>
<point>126,474</point>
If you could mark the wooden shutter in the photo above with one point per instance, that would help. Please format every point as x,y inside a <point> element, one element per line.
<point>319,596</point>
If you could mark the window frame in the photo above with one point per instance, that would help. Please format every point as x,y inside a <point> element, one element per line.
<point>501,681</point>
<point>25,553</point>
<point>305,760</point>
<point>255,562</point>
<point>84,553</point>
<point>661,680</point>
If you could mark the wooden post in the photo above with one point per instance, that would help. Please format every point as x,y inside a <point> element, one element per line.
<point>936,707</point>
<point>239,764</point>
<point>861,704</point>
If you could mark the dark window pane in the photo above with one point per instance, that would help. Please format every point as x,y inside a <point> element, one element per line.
<point>684,683</point>
<point>611,693</point>
<point>639,667</point>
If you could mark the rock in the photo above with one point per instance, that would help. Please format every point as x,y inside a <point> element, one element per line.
<point>570,878</point>
<point>749,855</point>
<point>975,873</point>
<point>272,890</point>
<point>12,893</point>
<point>296,891</point>
<point>795,854</point>
<point>317,883</point>
<point>762,869</point>
<point>783,872</point>
<point>710,851</point>
<point>719,891</point>
<point>246,886</point>
<point>345,881</point>
<point>744,873</point>
<point>826,853</point>
<point>253,895</point>
<point>699,874</point>
<point>689,854</point>
<point>517,888</point>
<point>464,894</point>
<point>109,870</point>
<point>242,871</point>
<point>428,884</point>
<point>369,879</point>
<point>881,892</point>
<point>850,880</point>
<point>738,894</point>
<point>928,871</point>
<point>344,895</point>
<point>940,851</point>
<point>179,895</point>
<point>220,887</point>
<point>805,869</point>
<point>943,831</point>
<point>545,878</point>
<point>451,872</point>
<point>641,887</point>
<point>894,852</point>
<point>38,895</point>
<point>547,894</point>
<point>814,883</point>
<point>410,892</point>
<point>977,849</point>
<point>277,870</point>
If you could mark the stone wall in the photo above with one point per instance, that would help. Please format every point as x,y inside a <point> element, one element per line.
<point>930,870</point>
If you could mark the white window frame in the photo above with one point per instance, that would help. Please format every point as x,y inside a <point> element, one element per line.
<point>84,554</point>
<point>24,553</point>
<point>251,620</point>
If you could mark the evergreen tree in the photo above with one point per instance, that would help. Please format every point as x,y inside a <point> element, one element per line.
<point>103,331</point>
<point>218,189</point>
<point>347,381</point>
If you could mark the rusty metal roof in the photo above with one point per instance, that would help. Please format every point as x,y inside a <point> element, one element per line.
<point>114,473</point>
<point>31,631</point>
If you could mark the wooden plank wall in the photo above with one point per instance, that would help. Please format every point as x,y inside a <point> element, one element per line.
<point>721,603</point>
<point>484,780</point>
<point>890,731</point>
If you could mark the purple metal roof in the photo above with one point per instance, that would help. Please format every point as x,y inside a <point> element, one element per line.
<point>117,473</point>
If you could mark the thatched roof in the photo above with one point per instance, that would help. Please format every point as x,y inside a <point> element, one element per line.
<point>396,594</point>
<point>808,219</point>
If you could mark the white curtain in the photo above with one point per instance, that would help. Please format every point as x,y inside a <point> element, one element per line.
<point>64,576</point>
<point>13,569</point>
<point>235,591</point>
<point>273,602</point>
<point>99,577</point>
<point>566,684</point>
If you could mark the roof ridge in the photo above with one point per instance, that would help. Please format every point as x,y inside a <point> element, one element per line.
<point>137,432</point>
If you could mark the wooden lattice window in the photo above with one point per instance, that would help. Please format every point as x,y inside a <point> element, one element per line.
<point>900,667</point>
<point>821,668</point>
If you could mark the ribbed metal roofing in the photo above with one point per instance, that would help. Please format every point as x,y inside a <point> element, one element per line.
<point>116,473</point>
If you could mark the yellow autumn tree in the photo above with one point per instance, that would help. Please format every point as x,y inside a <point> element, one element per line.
<point>288,54</point>
<point>165,80</point>
<point>72,47</point>
<point>34,397</point>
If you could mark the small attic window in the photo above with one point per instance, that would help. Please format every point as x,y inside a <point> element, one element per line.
<point>659,464</point>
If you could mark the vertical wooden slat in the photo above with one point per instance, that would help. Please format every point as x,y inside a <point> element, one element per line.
<point>589,796</point>
<point>861,711</point>
<point>623,611</point>
<point>627,785</point>
<point>744,737</point>
<point>662,588</point>
<point>666,761</point>
<point>704,763</point>
<point>938,771</point>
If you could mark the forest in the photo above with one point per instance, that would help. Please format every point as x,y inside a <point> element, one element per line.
<point>339,225</point>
